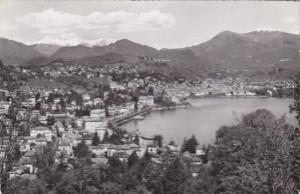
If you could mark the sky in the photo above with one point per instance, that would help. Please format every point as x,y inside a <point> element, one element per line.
<point>160,24</point>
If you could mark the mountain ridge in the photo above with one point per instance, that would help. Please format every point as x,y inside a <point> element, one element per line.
<point>227,50</point>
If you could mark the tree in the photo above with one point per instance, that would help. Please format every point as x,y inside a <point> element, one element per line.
<point>95,140</point>
<point>135,99</point>
<point>136,140</point>
<point>172,143</point>
<point>115,138</point>
<point>116,166</point>
<point>46,158</point>
<point>295,160</point>
<point>152,173</point>
<point>254,156</point>
<point>106,136</point>
<point>80,181</point>
<point>26,186</point>
<point>106,109</point>
<point>81,150</point>
<point>183,147</point>
<point>150,90</point>
<point>51,176</point>
<point>62,103</point>
<point>37,96</point>
<point>158,139</point>
<point>190,145</point>
<point>295,137</point>
<point>173,178</point>
<point>16,153</point>
<point>295,106</point>
<point>37,105</point>
<point>50,120</point>
<point>9,157</point>
<point>12,112</point>
<point>132,159</point>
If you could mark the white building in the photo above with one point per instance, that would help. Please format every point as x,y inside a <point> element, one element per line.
<point>94,124</point>
<point>97,113</point>
<point>4,106</point>
<point>42,131</point>
<point>146,100</point>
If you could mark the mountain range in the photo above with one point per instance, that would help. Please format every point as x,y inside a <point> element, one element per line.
<point>253,49</point>
<point>228,50</point>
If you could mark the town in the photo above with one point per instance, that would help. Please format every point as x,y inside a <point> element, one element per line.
<point>47,115</point>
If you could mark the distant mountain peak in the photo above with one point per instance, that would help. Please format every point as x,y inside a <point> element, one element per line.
<point>125,42</point>
<point>227,32</point>
<point>46,49</point>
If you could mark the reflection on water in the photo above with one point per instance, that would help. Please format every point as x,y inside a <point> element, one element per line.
<point>205,117</point>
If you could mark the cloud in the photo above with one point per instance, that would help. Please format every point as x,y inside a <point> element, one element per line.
<point>52,23</point>
<point>289,19</point>
<point>8,27</point>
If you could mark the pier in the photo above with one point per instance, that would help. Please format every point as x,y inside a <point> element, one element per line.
<point>117,122</point>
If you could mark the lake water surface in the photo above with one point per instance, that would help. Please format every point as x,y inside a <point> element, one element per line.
<point>205,117</point>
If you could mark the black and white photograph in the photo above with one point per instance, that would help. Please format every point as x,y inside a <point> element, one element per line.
<point>149,97</point>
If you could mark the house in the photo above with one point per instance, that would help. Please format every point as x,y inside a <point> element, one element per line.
<point>43,120</point>
<point>65,147</point>
<point>124,149</point>
<point>93,124</point>
<point>4,106</point>
<point>23,90</point>
<point>29,140</point>
<point>97,113</point>
<point>87,138</point>
<point>15,172</point>
<point>146,100</point>
<point>144,141</point>
<point>21,114</point>
<point>175,99</point>
<point>88,103</point>
<point>122,156</point>
<point>111,149</point>
<point>41,131</point>
<point>98,102</point>
<point>41,141</point>
<point>140,152</point>
<point>86,97</point>
<point>28,102</point>
<point>24,147</point>
<point>100,150</point>
<point>99,160</point>
<point>101,133</point>
<point>28,162</point>
<point>152,148</point>
<point>115,86</point>
<point>199,151</point>
<point>56,100</point>
<point>35,114</point>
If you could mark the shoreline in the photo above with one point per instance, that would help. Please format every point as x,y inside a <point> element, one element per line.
<point>147,111</point>
<point>153,109</point>
<point>241,96</point>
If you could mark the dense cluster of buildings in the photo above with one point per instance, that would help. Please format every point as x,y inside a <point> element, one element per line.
<point>36,117</point>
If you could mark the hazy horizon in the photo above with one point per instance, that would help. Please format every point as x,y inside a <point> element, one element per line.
<point>90,45</point>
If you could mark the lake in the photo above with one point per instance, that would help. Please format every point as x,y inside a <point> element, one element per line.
<point>205,117</point>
